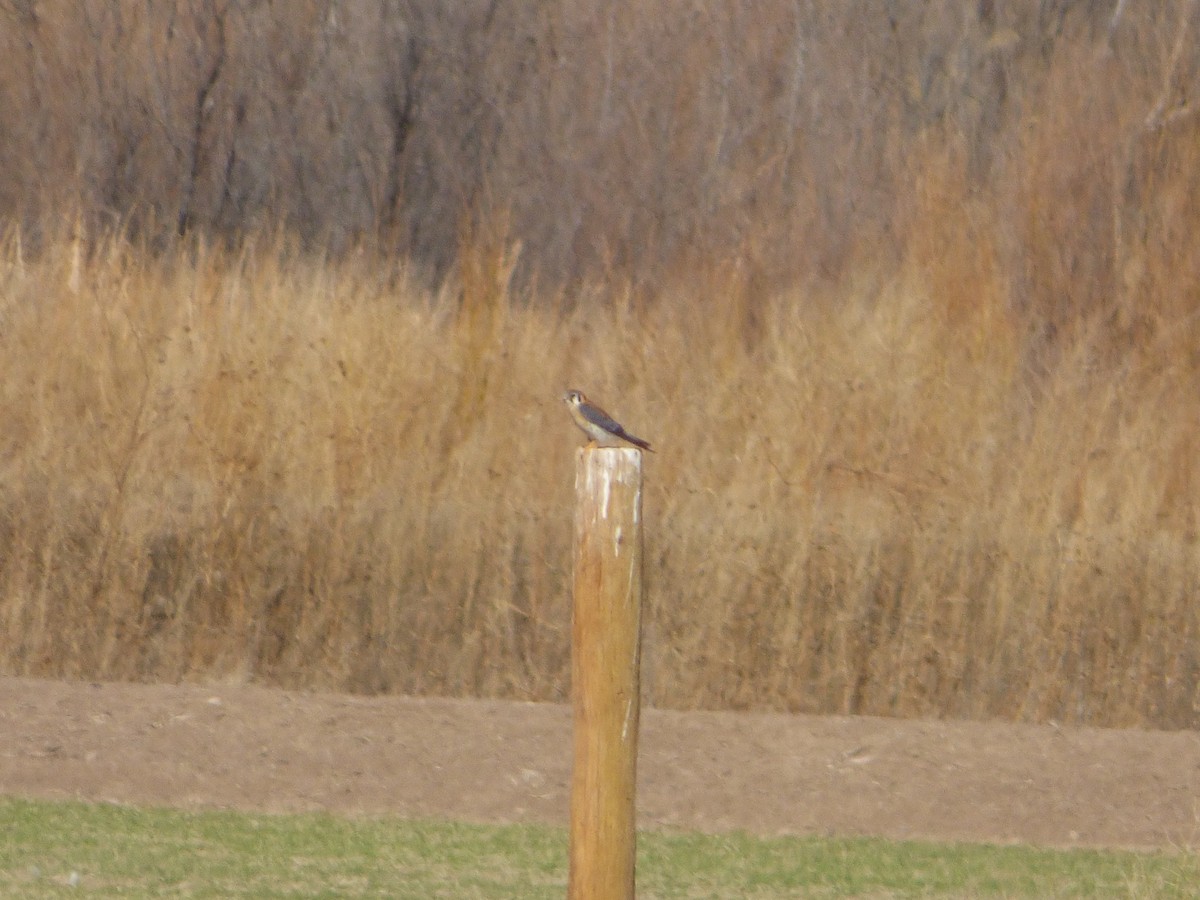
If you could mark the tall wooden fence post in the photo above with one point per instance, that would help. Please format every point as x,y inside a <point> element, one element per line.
<point>605,658</point>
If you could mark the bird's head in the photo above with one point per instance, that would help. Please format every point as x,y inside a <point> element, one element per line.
<point>574,398</point>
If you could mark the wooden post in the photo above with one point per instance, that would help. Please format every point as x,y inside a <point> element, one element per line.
<point>605,651</point>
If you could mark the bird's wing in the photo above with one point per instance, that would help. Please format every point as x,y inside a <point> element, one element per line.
<point>600,418</point>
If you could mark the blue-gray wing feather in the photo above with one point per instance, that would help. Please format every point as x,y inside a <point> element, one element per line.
<point>600,418</point>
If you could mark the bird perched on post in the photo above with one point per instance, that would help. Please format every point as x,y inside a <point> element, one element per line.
<point>603,429</point>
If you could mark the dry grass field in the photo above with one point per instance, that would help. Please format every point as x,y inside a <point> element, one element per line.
<point>906,298</point>
<point>264,465</point>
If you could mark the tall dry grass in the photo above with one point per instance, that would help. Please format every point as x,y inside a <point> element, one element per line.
<point>264,465</point>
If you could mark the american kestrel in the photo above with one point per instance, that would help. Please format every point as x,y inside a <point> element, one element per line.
<point>603,429</point>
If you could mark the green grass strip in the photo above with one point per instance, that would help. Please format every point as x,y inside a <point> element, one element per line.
<point>76,849</point>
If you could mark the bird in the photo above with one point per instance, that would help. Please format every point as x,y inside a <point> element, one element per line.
<point>603,429</point>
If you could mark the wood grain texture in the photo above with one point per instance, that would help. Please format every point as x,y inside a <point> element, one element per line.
<point>605,660</point>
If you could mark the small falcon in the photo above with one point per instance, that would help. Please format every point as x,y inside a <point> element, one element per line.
<point>598,425</point>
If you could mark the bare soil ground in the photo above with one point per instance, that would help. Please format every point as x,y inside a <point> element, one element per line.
<point>261,749</point>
